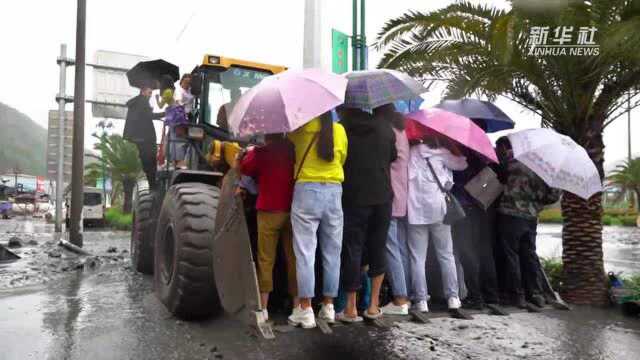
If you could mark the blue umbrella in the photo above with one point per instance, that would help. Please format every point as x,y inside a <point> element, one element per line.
<point>408,106</point>
<point>483,113</point>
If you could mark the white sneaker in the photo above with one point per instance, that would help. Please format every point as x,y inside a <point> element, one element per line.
<point>393,309</point>
<point>454,303</point>
<point>265,314</point>
<point>303,317</point>
<point>327,313</point>
<point>421,306</point>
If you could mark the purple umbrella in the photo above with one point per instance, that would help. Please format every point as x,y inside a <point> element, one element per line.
<point>483,113</point>
<point>286,101</point>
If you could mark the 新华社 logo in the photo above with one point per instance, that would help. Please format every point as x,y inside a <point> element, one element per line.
<point>563,41</point>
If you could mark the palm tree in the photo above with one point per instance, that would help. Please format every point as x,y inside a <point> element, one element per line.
<point>485,51</point>
<point>120,159</point>
<point>627,177</point>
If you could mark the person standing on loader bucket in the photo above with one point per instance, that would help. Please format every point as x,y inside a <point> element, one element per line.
<point>139,130</point>
<point>272,166</point>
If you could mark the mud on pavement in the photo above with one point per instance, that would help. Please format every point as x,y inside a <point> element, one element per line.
<point>43,260</point>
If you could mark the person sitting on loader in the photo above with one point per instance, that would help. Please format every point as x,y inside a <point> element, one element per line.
<point>139,129</point>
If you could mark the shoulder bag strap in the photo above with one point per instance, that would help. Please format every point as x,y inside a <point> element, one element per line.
<point>304,157</point>
<point>435,176</point>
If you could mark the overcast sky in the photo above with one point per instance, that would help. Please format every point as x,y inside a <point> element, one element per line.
<point>182,32</point>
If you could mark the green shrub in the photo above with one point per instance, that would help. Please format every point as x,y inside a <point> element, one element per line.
<point>632,281</point>
<point>619,211</point>
<point>553,268</point>
<point>118,220</point>
<point>615,221</point>
<point>552,215</point>
<point>628,220</point>
<point>610,217</point>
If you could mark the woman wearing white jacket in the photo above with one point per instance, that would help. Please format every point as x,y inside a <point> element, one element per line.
<point>426,211</point>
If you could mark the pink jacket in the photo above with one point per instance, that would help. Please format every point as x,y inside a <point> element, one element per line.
<point>400,175</point>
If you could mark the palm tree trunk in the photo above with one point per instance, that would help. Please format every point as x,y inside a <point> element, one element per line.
<point>127,188</point>
<point>584,278</point>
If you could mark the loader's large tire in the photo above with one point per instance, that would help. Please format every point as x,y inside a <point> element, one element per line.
<point>143,233</point>
<point>183,276</point>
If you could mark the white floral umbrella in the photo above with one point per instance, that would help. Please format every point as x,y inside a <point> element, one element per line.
<point>558,160</point>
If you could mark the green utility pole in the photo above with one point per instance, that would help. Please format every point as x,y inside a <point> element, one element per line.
<point>359,41</point>
<point>354,37</point>
<point>363,39</point>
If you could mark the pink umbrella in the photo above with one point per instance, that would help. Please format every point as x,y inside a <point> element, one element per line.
<point>286,101</point>
<point>457,128</point>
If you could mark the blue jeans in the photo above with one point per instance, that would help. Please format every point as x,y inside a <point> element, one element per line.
<point>439,235</point>
<point>398,265</point>
<point>316,217</point>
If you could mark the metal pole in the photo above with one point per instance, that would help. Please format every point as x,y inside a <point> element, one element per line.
<point>61,136</point>
<point>77,167</point>
<point>354,37</point>
<point>363,38</point>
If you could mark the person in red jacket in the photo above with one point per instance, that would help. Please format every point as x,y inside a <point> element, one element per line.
<point>271,165</point>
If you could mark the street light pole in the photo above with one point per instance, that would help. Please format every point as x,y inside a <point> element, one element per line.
<point>77,168</point>
<point>61,136</point>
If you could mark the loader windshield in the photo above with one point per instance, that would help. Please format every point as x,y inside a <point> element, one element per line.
<point>224,88</point>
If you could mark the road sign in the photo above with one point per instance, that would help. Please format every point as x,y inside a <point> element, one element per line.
<point>340,48</point>
<point>52,145</point>
<point>111,84</point>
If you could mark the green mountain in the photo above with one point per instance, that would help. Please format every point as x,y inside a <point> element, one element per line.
<point>23,143</point>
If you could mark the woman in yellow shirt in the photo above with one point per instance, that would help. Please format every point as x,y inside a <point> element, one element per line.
<point>321,150</point>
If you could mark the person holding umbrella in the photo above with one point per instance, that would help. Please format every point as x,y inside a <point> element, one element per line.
<point>299,103</point>
<point>316,213</point>
<point>431,162</point>
<point>525,195</point>
<point>366,202</point>
<point>139,129</point>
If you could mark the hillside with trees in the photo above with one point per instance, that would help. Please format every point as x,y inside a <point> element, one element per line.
<point>22,143</point>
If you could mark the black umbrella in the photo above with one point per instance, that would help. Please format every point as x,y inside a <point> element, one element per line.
<point>483,113</point>
<point>145,73</point>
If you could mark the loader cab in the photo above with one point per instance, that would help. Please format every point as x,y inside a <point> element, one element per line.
<point>219,82</point>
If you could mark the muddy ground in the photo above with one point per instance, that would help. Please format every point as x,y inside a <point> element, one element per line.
<point>72,307</point>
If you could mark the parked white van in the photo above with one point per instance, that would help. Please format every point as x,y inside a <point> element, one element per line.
<point>93,210</point>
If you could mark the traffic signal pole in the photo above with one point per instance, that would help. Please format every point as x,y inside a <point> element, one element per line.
<point>77,166</point>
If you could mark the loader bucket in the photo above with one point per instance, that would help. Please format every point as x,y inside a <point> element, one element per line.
<point>233,265</point>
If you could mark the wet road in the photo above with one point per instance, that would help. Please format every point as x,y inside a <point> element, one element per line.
<point>621,246</point>
<point>110,312</point>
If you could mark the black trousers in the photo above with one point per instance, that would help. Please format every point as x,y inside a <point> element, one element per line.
<point>517,241</point>
<point>474,240</point>
<point>147,152</point>
<point>365,232</point>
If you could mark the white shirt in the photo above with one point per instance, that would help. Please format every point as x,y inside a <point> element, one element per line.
<point>183,97</point>
<point>426,203</point>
